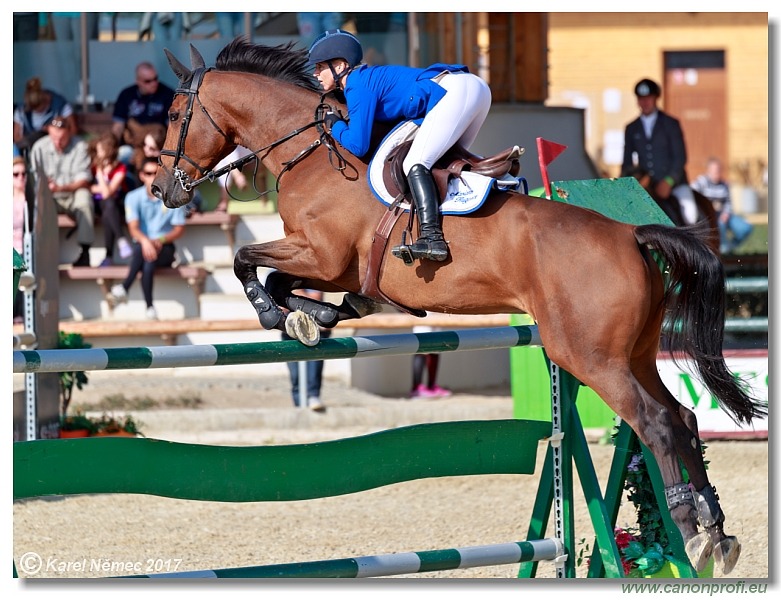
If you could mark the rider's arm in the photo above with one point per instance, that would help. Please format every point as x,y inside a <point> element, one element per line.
<point>361,107</point>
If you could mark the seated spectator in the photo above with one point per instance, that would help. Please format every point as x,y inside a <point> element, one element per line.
<point>733,229</point>
<point>19,217</point>
<point>108,191</point>
<point>147,140</point>
<point>65,164</point>
<point>164,25</point>
<point>153,228</point>
<point>145,102</point>
<point>39,108</point>
<point>229,24</point>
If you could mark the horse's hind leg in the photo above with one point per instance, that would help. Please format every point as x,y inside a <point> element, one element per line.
<point>726,549</point>
<point>653,423</point>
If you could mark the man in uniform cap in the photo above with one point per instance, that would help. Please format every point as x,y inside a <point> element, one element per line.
<point>654,144</point>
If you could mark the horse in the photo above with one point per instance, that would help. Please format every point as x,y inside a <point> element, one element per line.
<point>590,283</point>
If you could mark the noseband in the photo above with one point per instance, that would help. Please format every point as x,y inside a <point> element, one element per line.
<point>189,184</point>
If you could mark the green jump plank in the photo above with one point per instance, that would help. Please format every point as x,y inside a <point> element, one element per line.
<point>622,199</point>
<point>275,473</point>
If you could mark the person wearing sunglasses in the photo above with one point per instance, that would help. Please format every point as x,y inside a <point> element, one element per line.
<point>153,228</point>
<point>146,101</point>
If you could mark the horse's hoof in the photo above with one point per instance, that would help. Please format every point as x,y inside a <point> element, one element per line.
<point>699,550</point>
<point>361,305</point>
<point>727,552</point>
<point>300,326</point>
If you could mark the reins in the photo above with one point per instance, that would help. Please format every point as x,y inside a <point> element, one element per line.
<point>335,157</point>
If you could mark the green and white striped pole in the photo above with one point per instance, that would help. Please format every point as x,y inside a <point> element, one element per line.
<point>386,565</point>
<point>156,357</point>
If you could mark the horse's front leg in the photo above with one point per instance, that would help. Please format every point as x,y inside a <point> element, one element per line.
<point>269,313</point>
<point>281,285</point>
<point>293,254</point>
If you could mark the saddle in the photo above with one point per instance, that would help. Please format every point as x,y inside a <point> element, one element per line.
<point>452,163</point>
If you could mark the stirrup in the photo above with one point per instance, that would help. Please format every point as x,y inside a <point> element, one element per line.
<point>404,252</point>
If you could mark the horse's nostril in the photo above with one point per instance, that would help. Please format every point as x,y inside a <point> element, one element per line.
<point>157,192</point>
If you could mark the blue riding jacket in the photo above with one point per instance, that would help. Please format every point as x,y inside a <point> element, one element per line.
<point>389,93</point>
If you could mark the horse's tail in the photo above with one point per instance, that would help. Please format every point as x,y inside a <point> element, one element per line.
<point>695,301</point>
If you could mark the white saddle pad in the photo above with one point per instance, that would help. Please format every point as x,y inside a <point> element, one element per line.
<point>464,195</point>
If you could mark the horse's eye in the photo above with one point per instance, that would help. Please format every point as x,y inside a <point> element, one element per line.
<point>173,116</point>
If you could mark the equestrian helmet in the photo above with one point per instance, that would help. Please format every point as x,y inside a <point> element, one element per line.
<point>647,87</point>
<point>333,44</point>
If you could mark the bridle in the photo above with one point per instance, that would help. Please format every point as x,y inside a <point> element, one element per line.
<point>187,184</point>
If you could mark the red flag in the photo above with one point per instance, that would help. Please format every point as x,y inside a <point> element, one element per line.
<point>548,152</point>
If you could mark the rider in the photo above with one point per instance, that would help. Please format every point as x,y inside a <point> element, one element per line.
<point>654,143</point>
<point>449,104</point>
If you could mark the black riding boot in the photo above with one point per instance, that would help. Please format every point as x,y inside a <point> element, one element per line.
<point>431,244</point>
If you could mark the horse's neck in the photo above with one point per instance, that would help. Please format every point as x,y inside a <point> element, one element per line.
<point>277,116</point>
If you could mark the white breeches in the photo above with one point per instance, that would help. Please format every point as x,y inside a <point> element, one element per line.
<point>456,118</point>
<point>688,205</point>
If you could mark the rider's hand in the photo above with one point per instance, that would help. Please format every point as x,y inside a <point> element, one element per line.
<point>330,118</point>
<point>663,189</point>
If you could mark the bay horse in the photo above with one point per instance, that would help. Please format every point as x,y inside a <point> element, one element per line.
<point>590,283</point>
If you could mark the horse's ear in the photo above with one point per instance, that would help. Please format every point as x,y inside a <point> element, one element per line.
<point>196,60</point>
<point>182,73</point>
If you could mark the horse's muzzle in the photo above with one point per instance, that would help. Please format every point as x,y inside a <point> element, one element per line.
<point>169,191</point>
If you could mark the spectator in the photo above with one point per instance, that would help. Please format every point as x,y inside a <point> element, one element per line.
<point>230,24</point>
<point>163,25</point>
<point>25,26</point>
<point>19,217</point>
<point>654,144</point>
<point>314,368</point>
<point>66,27</point>
<point>153,228</point>
<point>146,101</point>
<point>733,229</point>
<point>151,142</point>
<point>428,365</point>
<point>108,191</point>
<point>312,24</point>
<point>65,163</point>
<point>39,108</point>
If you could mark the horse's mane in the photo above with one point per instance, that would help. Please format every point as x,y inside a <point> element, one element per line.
<point>281,62</point>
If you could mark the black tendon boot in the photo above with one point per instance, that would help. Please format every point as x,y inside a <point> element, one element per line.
<point>431,244</point>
